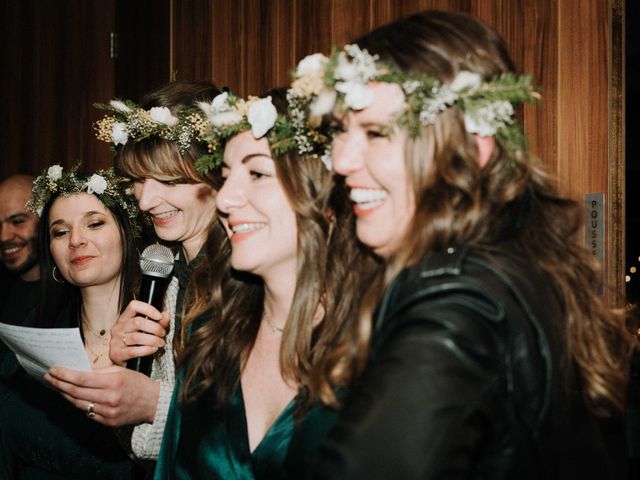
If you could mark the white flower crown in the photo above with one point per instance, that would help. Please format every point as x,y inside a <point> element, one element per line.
<point>342,81</point>
<point>111,189</point>
<point>131,123</point>
<point>228,115</point>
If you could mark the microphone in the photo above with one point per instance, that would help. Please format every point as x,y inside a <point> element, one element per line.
<point>156,263</point>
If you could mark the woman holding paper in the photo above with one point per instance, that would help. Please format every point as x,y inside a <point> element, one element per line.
<point>88,259</point>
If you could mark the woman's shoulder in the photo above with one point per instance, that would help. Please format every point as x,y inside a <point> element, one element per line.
<point>492,273</point>
<point>491,292</point>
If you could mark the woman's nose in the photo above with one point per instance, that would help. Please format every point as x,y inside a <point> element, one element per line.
<point>147,194</point>
<point>77,238</point>
<point>230,196</point>
<point>347,154</point>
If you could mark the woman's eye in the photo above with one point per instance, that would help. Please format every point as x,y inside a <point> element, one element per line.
<point>96,224</point>
<point>256,175</point>
<point>169,183</point>
<point>373,134</point>
<point>59,233</point>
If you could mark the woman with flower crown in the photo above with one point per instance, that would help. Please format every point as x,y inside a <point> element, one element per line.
<point>254,398</point>
<point>86,231</point>
<point>157,146</point>
<point>491,355</point>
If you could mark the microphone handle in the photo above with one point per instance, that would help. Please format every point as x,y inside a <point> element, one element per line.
<point>152,292</point>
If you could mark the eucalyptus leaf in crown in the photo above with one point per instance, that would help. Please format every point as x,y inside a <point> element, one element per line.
<point>229,115</point>
<point>341,82</point>
<point>131,123</point>
<point>111,189</point>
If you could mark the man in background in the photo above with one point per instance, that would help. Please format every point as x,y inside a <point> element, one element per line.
<point>19,294</point>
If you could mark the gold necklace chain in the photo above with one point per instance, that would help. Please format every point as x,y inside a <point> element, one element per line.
<point>274,328</point>
<point>104,335</point>
<point>96,355</point>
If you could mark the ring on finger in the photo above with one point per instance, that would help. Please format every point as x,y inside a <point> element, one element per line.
<point>124,340</point>
<point>90,411</point>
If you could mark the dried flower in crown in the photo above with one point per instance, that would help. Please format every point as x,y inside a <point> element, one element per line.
<point>228,115</point>
<point>341,81</point>
<point>111,189</point>
<point>131,123</point>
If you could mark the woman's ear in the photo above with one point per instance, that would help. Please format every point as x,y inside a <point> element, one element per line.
<point>486,146</point>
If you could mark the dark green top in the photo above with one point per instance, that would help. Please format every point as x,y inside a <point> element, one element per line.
<point>201,441</point>
<point>43,436</point>
<point>17,303</point>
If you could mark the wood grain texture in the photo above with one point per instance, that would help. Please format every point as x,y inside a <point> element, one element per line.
<point>55,68</point>
<point>228,49</point>
<point>193,39</point>
<point>55,53</point>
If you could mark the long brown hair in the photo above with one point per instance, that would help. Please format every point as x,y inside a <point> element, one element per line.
<point>161,159</point>
<point>326,282</point>
<point>458,202</point>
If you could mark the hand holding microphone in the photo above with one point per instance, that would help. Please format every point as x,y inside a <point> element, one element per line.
<point>140,329</point>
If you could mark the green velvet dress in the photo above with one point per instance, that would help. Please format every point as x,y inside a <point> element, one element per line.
<point>201,441</point>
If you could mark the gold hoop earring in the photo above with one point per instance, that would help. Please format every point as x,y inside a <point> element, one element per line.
<point>53,274</point>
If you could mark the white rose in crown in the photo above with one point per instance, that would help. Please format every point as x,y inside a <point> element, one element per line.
<point>54,172</point>
<point>96,184</point>
<point>323,103</point>
<point>356,95</point>
<point>120,106</point>
<point>219,111</point>
<point>465,80</point>
<point>345,70</point>
<point>261,116</point>
<point>487,120</point>
<point>119,134</point>
<point>163,115</point>
<point>311,64</point>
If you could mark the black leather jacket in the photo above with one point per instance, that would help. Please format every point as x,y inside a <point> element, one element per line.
<point>468,379</point>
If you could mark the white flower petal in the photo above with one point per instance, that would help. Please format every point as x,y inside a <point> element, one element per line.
<point>220,103</point>
<point>311,64</point>
<point>261,116</point>
<point>54,172</point>
<point>120,106</point>
<point>163,115</point>
<point>225,118</point>
<point>96,184</point>
<point>323,103</point>
<point>465,80</point>
<point>357,96</point>
<point>119,134</point>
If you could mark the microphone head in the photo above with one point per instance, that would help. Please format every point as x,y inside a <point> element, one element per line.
<point>156,260</point>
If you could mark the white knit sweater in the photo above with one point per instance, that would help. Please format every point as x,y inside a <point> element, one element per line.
<point>147,437</point>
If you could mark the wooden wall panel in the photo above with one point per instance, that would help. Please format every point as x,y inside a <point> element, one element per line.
<point>313,23</point>
<point>227,57</point>
<point>582,104</point>
<point>350,20</point>
<point>193,39</point>
<point>54,67</point>
<point>141,62</point>
<point>540,59</point>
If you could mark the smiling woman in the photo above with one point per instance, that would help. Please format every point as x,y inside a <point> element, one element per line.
<point>88,260</point>
<point>254,397</point>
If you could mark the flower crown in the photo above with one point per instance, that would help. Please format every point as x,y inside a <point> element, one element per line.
<point>110,189</point>
<point>228,115</point>
<point>130,122</point>
<point>341,81</point>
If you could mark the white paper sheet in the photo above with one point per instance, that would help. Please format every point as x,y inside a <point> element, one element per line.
<point>38,349</point>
